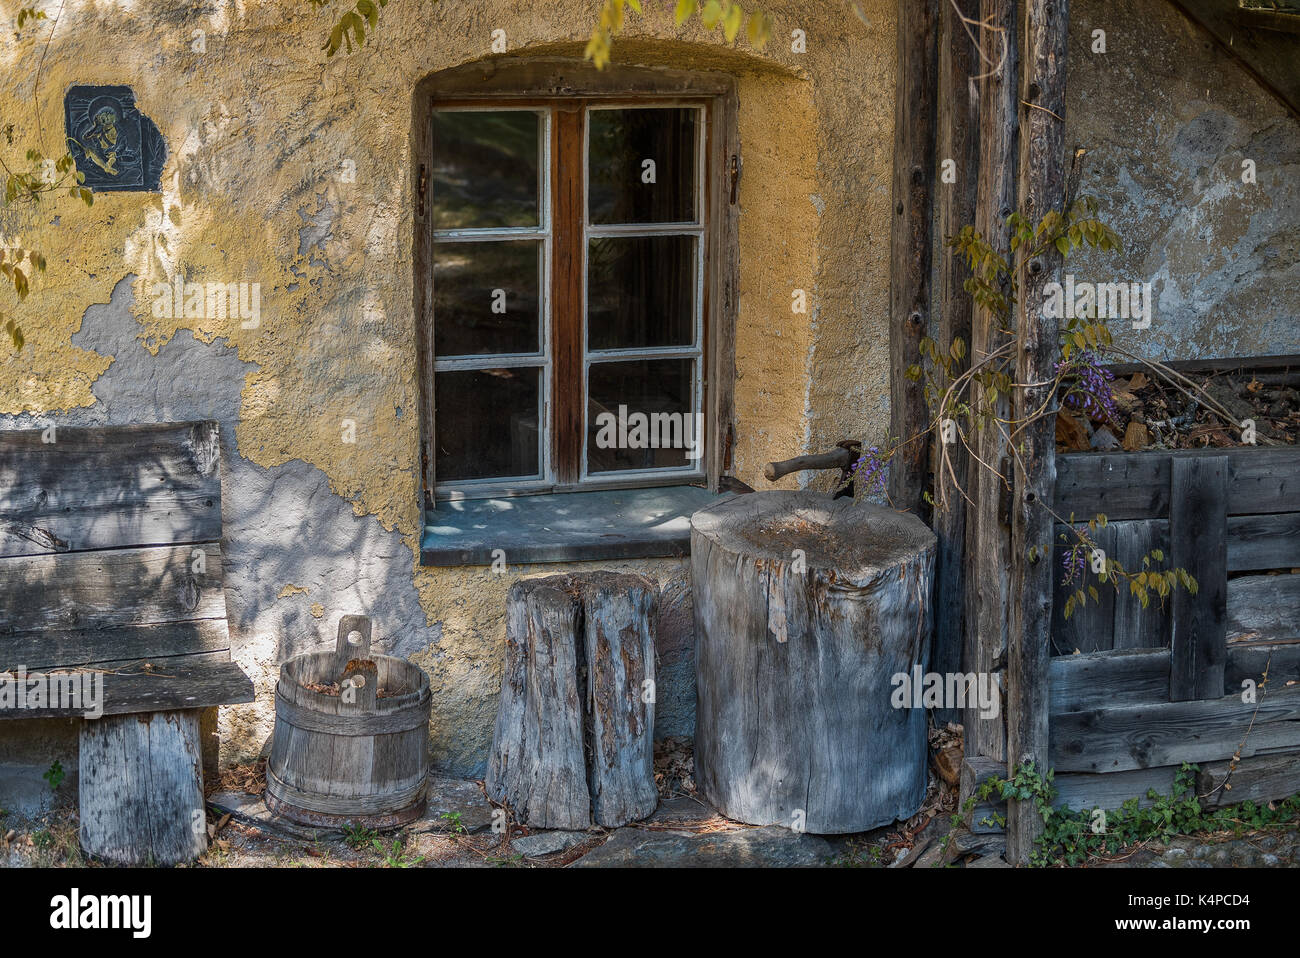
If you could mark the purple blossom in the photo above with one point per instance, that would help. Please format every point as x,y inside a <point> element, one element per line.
<point>869,470</point>
<point>1089,387</point>
<point>1072,562</point>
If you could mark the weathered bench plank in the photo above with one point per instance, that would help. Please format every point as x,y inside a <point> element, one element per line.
<point>110,589</point>
<point>153,484</point>
<point>82,647</point>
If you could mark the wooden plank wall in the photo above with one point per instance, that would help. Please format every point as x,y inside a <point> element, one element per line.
<point>1135,693</point>
<point>1261,532</point>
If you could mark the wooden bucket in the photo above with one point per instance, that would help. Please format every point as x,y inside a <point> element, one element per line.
<point>353,757</point>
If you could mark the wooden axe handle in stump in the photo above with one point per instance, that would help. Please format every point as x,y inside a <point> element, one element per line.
<point>839,458</point>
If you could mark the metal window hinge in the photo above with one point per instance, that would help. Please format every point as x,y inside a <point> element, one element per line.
<point>422,189</point>
<point>735,177</point>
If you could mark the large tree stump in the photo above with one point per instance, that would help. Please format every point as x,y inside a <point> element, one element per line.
<point>141,788</point>
<point>805,610</point>
<point>574,737</point>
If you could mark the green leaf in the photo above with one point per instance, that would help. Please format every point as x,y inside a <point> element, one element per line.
<point>1063,245</point>
<point>731,22</point>
<point>711,13</point>
<point>684,9</point>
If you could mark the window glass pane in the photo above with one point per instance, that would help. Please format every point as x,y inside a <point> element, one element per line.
<point>642,165</point>
<point>640,291</point>
<point>640,415</point>
<point>487,423</point>
<point>485,169</point>
<point>485,297</point>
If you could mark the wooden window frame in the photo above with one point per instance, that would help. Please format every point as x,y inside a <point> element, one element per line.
<point>566,90</point>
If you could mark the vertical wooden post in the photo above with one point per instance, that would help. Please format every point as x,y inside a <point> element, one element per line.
<point>988,534</point>
<point>1042,188</point>
<point>959,143</point>
<point>1198,542</point>
<point>909,275</point>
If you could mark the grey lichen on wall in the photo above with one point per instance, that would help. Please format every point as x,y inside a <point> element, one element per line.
<point>1168,121</point>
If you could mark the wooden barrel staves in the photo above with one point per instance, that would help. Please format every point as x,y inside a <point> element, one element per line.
<point>351,736</point>
<point>805,610</point>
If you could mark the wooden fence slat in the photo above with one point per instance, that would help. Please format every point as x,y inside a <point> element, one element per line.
<point>958,134</point>
<point>988,536</point>
<point>1135,485</point>
<point>1261,778</point>
<point>1090,628</point>
<point>1042,188</point>
<point>1198,493</point>
<point>1249,663</point>
<point>1170,733</point>
<point>1082,790</point>
<point>1136,627</point>
<point>1263,608</point>
<point>1108,679</point>
<point>1256,543</point>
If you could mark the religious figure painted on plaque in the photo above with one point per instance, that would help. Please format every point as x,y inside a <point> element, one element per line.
<point>116,147</point>
<point>103,143</point>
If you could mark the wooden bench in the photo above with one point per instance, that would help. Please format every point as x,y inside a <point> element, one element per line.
<point>111,579</point>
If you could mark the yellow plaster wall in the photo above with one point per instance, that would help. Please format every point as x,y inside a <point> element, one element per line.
<point>258,128</point>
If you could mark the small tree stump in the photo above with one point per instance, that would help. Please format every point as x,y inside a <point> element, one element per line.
<point>574,738</point>
<point>141,788</point>
<point>805,609</point>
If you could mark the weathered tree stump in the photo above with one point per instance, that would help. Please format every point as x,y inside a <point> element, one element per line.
<point>141,788</point>
<point>805,610</point>
<point>574,737</point>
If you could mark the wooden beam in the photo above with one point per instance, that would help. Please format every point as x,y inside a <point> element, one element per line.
<point>909,275</point>
<point>988,538</point>
<point>959,143</point>
<point>1042,188</point>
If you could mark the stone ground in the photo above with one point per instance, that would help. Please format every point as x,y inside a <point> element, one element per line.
<point>457,831</point>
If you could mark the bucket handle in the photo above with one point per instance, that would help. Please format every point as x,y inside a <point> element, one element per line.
<point>346,651</point>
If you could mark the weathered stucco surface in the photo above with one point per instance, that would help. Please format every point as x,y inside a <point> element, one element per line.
<point>259,128</point>
<point>1167,119</point>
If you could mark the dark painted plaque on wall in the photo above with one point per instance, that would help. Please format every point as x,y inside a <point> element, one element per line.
<point>115,145</point>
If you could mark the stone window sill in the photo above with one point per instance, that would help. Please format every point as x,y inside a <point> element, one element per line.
<point>564,527</point>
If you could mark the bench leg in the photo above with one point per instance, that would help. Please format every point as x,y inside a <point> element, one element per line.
<point>142,788</point>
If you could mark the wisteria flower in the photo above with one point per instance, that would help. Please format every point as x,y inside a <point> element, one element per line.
<point>1089,385</point>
